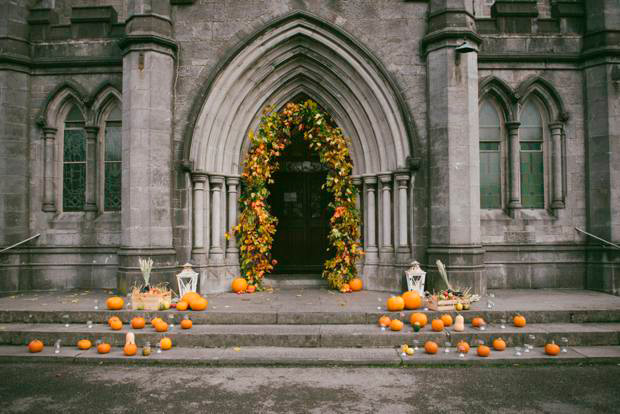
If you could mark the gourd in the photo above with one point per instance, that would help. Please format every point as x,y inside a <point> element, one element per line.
<point>396,325</point>
<point>115,303</point>
<point>356,284</point>
<point>519,321</point>
<point>412,299</point>
<point>552,349</point>
<point>395,304</point>
<point>499,344</point>
<point>239,285</point>
<point>384,321</point>
<point>446,319</point>
<point>431,347</point>
<point>35,346</point>
<point>437,325</point>
<point>130,348</point>
<point>420,318</point>
<point>459,323</point>
<point>84,344</point>
<point>199,304</point>
<point>345,288</point>
<point>138,323</point>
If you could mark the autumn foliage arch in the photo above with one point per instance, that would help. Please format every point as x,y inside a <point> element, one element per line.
<point>257,226</point>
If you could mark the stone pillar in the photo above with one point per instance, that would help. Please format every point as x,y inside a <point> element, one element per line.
<point>49,168</point>
<point>232,252</point>
<point>386,210</point>
<point>514,164</point>
<point>149,55</point>
<point>91,168</point>
<point>370,246</point>
<point>198,209</point>
<point>557,194</point>
<point>602,126</point>
<point>454,150</point>
<point>357,183</point>
<point>403,224</point>
<point>216,252</point>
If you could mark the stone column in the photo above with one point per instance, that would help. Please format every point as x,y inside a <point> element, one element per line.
<point>91,168</point>
<point>454,145</point>
<point>386,210</point>
<point>514,164</point>
<point>232,252</point>
<point>49,169</point>
<point>557,196</point>
<point>216,252</point>
<point>403,225</point>
<point>198,199</point>
<point>370,246</point>
<point>357,183</point>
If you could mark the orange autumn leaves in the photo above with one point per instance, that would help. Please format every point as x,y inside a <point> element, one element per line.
<point>257,227</point>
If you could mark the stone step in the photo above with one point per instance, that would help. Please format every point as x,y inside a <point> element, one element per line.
<point>291,316</point>
<point>286,281</point>
<point>278,356</point>
<point>305,336</point>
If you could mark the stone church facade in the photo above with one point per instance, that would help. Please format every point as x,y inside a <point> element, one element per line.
<point>483,133</point>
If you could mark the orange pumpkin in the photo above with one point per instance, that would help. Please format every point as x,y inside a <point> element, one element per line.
<point>251,289</point>
<point>103,348</point>
<point>396,325</point>
<point>412,299</point>
<point>189,296</point>
<point>35,346</point>
<point>419,318</point>
<point>138,323</point>
<point>161,327</point>
<point>155,321</point>
<point>186,323</point>
<point>165,344</point>
<point>552,349</point>
<point>115,303</point>
<point>113,318</point>
<point>239,285</point>
<point>84,344</point>
<point>130,349</point>
<point>437,325</point>
<point>431,347</point>
<point>116,324</point>
<point>199,304</point>
<point>463,347</point>
<point>395,304</point>
<point>356,284</point>
<point>477,322</point>
<point>384,321</point>
<point>182,305</point>
<point>519,321</point>
<point>447,320</point>
<point>499,344</point>
<point>484,351</point>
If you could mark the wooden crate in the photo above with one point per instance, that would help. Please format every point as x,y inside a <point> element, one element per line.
<point>445,304</point>
<point>149,301</point>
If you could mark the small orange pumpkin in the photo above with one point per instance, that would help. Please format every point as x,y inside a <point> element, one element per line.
<point>130,348</point>
<point>519,321</point>
<point>239,285</point>
<point>484,351</point>
<point>395,304</point>
<point>165,344</point>
<point>412,299</point>
<point>552,349</point>
<point>103,348</point>
<point>161,327</point>
<point>477,322</point>
<point>251,289</point>
<point>113,318</point>
<point>446,319</point>
<point>431,347</point>
<point>115,303</point>
<point>138,323</point>
<point>116,324</point>
<point>182,305</point>
<point>189,296</point>
<point>499,344</point>
<point>155,321</point>
<point>186,323</point>
<point>463,347</point>
<point>199,304</point>
<point>356,284</point>
<point>35,346</point>
<point>396,325</point>
<point>419,318</point>
<point>384,321</point>
<point>84,344</point>
<point>437,325</point>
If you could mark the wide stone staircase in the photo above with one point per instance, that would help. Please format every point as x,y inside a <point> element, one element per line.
<point>316,327</point>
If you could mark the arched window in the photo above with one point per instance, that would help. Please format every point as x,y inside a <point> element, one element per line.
<point>112,160</point>
<point>490,157</point>
<point>531,157</point>
<point>74,161</point>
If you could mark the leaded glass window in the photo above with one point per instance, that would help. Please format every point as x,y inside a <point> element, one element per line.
<point>490,157</point>
<point>74,162</point>
<point>112,161</point>
<point>531,155</point>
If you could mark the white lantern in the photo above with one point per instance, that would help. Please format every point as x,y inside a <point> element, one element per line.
<point>187,279</point>
<point>416,278</point>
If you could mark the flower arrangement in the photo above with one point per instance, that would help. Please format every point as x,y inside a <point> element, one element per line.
<point>257,226</point>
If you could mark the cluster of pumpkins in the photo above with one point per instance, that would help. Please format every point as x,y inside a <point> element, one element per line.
<point>498,344</point>
<point>193,301</point>
<point>419,320</point>
<point>354,285</point>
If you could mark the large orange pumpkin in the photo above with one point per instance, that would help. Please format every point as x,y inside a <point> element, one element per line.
<point>419,318</point>
<point>84,344</point>
<point>395,304</point>
<point>446,319</point>
<point>239,285</point>
<point>519,321</point>
<point>103,348</point>
<point>384,321</point>
<point>186,323</point>
<point>182,305</point>
<point>35,346</point>
<point>138,323</point>
<point>412,299</point>
<point>431,347</point>
<point>115,303</point>
<point>484,351</point>
<point>396,325</point>
<point>499,344</point>
<point>437,325</point>
<point>188,297</point>
<point>552,349</point>
<point>161,326</point>
<point>199,304</point>
<point>116,324</point>
<point>356,284</point>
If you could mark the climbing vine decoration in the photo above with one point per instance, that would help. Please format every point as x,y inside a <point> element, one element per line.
<point>257,227</point>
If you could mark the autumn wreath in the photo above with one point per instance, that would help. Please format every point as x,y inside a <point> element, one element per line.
<point>257,226</point>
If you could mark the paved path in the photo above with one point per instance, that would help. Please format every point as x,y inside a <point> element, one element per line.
<point>43,388</point>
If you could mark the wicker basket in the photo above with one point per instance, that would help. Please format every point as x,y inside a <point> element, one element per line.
<point>445,304</point>
<point>150,301</point>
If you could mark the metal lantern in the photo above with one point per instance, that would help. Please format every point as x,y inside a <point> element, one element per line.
<point>187,279</point>
<point>416,278</point>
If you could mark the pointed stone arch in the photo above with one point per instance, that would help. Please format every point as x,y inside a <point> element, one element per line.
<point>105,95</point>
<point>57,100</point>
<point>502,93</point>
<point>548,96</point>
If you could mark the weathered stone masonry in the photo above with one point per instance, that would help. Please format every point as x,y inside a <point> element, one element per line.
<point>191,78</point>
